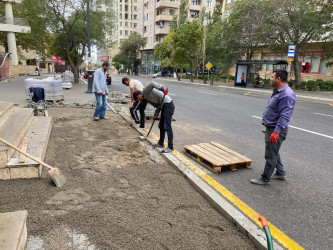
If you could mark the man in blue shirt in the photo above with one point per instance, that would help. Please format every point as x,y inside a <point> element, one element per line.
<point>276,118</point>
<point>101,90</point>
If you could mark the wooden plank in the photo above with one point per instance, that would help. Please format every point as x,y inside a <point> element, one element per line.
<point>199,159</point>
<point>24,149</point>
<point>231,151</point>
<point>221,153</point>
<point>208,156</point>
<point>191,149</point>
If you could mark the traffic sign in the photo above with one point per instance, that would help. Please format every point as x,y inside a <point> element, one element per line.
<point>209,65</point>
<point>291,51</point>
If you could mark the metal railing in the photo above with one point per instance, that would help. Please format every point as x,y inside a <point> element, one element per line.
<point>14,20</point>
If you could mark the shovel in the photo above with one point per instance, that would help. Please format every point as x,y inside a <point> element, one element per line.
<point>58,178</point>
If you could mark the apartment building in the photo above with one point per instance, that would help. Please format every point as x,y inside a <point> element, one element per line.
<point>155,17</point>
<point>126,12</point>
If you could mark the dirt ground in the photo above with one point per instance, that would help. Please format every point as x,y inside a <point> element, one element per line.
<point>119,194</point>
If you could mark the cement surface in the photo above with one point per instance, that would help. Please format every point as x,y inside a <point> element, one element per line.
<point>13,230</point>
<point>119,194</point>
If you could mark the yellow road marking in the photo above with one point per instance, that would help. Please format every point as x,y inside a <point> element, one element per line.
<point>247,93</point>
<point>280,236</point>
<point>222,90</point>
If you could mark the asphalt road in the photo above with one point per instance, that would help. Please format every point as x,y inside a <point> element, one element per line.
<point>302,206</point>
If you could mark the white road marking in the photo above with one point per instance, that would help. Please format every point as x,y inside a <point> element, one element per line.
<point>206,93</point>
<point>171,94</point>
<point>323,114</point>
<point>302,129</point>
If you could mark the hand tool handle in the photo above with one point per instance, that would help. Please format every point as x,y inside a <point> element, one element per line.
<point>26,154</point>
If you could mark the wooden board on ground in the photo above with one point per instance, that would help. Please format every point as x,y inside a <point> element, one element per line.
<point>24,149</point>
<point>215,156</point>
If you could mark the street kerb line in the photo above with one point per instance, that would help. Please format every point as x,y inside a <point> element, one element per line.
<point>280,236</point>
<point>302,129</point>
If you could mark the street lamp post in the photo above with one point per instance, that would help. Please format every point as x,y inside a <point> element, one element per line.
<point>90,70</point>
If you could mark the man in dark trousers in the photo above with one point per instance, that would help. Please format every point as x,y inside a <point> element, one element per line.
<point>134,86</point>
<point>158,97</point>
<point>276,118</point>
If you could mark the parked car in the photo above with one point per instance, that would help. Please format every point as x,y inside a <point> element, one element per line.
<point>108,79</point>
<point>159,74</point>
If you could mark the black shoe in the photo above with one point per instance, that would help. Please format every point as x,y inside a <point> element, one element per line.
<point>142,126</point>
<point>137,122</point>
<point>157,145</point>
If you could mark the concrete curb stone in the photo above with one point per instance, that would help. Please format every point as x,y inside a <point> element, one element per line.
<point>246,226</point>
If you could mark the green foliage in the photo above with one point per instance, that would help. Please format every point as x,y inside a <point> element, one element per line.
<point>297,22</point>
<point>129,51</point>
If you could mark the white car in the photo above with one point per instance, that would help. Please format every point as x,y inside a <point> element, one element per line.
<point>158,74</point>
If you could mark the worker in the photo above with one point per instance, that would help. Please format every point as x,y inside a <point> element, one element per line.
<point>101,90</point>
<point>135,106</point>
<point>276,118</point>
<point>158,97</point>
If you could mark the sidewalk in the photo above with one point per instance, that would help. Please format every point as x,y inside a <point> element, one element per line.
<point>315,95</point>
<point>120,194</point>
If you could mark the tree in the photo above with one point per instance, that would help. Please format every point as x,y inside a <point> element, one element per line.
<point>129,51</point>
<point>68,19</point>
<point>241,33</point>
<point>298,22</point>
<point>166,53</point>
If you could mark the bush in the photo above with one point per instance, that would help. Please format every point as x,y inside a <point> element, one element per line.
<point>291,83</point>
<point>231,78</point>
<point>311,85</point>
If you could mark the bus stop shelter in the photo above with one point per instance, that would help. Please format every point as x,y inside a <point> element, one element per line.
<point>252,67</point>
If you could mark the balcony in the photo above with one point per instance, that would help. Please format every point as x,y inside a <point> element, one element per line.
<point>195,7</point>
<point>16,25</point>
<point>163,18</point>
<point>161,31</point>
<point>161,4</point>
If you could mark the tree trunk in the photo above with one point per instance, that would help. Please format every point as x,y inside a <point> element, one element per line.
<point>76,75</point>
<point>297,70</point>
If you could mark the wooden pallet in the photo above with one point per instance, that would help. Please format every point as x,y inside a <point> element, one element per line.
<point>215,156</point>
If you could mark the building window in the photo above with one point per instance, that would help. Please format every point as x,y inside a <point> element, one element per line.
<point>135,8</point>
<point>135,17</point>
<point>126,16</point>
<point>134,25</point>
<point>126,7</point>
<point>208,3</point>
<point>194,2</point>
<point>126,24</point>
<point>126,32</point>
<point>193,14</point>
<point>171,12</point>
<point>120,16</point>
<point>120,32</point>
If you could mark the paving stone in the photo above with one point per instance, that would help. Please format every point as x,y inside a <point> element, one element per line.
<point>13,230</point>
<point>4,174</point>
<point>24,172</point>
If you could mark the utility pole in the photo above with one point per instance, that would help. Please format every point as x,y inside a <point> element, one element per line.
<point>203,56</point>
<point>90,70</point>
<point>88,30</point>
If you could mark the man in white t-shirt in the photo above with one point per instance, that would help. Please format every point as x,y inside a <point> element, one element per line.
<point>134,86</point>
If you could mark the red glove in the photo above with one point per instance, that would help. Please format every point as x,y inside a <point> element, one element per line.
<point>100,93</point>
<point>274,137</point>
<point>165,92</point>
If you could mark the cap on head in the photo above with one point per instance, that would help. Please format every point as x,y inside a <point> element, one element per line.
<point>136,93</point>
